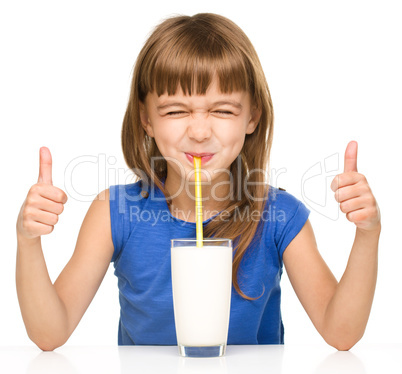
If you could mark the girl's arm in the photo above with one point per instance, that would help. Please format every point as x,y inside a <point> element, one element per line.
<point>52,311</point>
<point>340,311</point>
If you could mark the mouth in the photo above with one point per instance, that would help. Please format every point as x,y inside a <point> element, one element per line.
<point>205,157</point>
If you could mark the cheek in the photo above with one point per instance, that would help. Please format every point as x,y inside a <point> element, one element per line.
<point>167,140</point>
<point>233,137</point>
<point>167,129</point>
<point>236,148</point>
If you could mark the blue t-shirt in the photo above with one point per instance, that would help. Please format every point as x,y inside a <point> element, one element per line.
<point>142,228</point>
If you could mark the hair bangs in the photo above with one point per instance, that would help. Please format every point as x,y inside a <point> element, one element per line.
<point>191,63</point>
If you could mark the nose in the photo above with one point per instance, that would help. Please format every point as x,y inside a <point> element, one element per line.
<point>199,128</point>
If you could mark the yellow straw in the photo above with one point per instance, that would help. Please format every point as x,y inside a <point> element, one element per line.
<point>198,200</point>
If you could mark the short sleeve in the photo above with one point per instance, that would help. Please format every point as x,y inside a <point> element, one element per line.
<point>124,201</point>
<point>116,220</point>
<point>292,214</point>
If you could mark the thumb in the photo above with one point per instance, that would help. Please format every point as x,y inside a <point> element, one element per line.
<point>45,166</point>
<point>351,157</point>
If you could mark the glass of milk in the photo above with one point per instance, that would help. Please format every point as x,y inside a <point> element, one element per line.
<point>202,284</point>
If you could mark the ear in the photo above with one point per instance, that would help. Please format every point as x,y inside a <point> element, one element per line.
<point>254,120</point>
<point>145,122</point>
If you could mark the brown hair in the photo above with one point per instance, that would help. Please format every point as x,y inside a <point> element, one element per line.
<point>189,51</point>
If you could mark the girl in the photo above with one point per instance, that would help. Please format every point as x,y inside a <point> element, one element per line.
<point>198,89</point>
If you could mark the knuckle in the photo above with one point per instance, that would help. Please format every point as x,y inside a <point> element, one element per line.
<point>364,215</point>
<point>33,189</point>
<point>373,212</point>
<point>30,200</point>
<point>363,182</point>
<point>36,189</point>
<point>338,179</point>
<point>370,201</point>
<point>27,213</point>
<point>362,179</point>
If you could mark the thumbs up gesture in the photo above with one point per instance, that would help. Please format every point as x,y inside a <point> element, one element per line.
<point>353,193</point>
<point>43,204</point>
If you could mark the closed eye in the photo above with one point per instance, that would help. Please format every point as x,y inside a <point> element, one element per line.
<point>223,112</point>
<point>176,113</point>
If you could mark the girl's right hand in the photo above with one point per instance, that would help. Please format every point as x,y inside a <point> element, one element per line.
<point>43,204</point>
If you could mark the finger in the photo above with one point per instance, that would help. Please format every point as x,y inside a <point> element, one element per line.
<point>357,217</point>
<point>46,218</point>
<point>49,192</point>
<point>351,157</point>
<point>351,192</point>
<point>346,193</point>
<point>48,205</point>
<point>346,179</point>
<point>45,166</point>
<point>35,229</point>
<point>352,205</point>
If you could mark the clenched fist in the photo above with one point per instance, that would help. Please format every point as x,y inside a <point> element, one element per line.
<point>43,204</point>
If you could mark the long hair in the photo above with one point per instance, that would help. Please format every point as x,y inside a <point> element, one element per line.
<point>190,51</point>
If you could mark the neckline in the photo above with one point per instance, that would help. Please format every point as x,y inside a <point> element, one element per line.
<point>175,219</point>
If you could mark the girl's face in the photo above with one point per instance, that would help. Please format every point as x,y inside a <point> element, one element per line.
<point>212,126</point>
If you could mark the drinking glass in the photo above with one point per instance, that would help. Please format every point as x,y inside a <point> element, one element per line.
<point>202,284</point>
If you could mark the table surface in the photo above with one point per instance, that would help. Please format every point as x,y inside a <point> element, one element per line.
<point>240,359</point>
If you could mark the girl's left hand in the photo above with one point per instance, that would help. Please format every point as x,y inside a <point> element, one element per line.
<point>353,193</point>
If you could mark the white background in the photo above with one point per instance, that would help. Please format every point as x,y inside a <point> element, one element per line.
<point>334,71</point>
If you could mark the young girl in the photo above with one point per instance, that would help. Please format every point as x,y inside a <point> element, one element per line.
<point>198,89</point>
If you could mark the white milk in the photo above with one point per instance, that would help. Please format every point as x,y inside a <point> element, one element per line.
<point>202,282</point>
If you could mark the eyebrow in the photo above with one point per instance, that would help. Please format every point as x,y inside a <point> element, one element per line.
<point>217,103</point>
